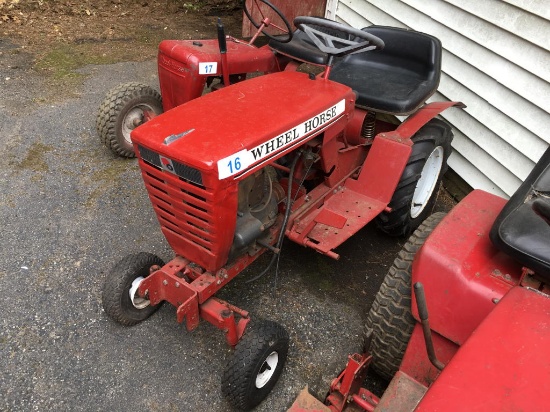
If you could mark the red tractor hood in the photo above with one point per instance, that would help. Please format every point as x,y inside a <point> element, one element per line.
<point>238,127</point>
<point>504,365</point>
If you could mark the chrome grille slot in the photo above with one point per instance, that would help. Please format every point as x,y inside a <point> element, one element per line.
<point>149,156</point>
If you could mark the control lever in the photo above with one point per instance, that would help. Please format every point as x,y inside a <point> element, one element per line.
<point>423,314</point>
<point>222,42</point>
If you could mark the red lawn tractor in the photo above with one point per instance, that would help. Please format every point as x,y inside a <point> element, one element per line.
<point>484,272</point>
<point>185,67</point>
<point>305,156</point>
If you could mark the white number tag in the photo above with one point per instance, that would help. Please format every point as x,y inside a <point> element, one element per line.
<point>234,164</point>
<point>208,68</point>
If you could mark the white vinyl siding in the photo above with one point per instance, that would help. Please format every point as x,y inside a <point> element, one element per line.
<point>496,60</point>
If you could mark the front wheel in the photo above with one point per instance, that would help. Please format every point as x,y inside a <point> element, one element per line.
<point>416,192</point>
<point>256,365</point>
<point>123,109</point>
<point>120,299</point>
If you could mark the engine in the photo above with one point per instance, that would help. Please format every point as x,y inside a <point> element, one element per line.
<point>259,196</point>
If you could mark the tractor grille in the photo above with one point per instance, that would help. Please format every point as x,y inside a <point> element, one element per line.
<point>183,205</point>
<point>183,171</point>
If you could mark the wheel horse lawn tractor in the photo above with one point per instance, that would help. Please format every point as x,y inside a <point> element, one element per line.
<point>231,173</point>
<point>484,272</point>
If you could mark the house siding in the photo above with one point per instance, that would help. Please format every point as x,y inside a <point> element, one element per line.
<point>496,59</point>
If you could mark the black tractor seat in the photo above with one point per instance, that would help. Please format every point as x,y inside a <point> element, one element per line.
<point>522,229</point>
<point>396,80</point>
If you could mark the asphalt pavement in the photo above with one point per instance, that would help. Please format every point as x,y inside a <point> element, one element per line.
<point>69,210</point>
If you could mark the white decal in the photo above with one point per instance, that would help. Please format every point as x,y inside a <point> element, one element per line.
<point>242,160</point>
<point>208,68</point>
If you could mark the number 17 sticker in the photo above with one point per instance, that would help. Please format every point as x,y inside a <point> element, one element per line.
<point>208,68</point>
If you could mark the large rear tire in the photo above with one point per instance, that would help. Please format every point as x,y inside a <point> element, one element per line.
<point>124,108</point>
<point>416,192</point>
<point>390,322</point>
<point>256,365</point>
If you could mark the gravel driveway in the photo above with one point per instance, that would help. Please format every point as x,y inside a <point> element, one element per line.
<point>69,210</point>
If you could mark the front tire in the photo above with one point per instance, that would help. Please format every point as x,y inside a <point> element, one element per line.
<point>390,322</point>
<point>417,190</point>
<point>256,365</point>
<point>124,108</point>
<point>120,300</point>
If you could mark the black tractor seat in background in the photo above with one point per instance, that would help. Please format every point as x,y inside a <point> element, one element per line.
<point>396,80</point>
<point>522,229</point>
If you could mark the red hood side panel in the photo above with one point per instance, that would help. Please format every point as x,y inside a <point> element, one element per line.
<point>462,272</point>
<point>505,365</point>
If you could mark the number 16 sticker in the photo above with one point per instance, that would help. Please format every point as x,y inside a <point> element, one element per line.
<point>208,68</point>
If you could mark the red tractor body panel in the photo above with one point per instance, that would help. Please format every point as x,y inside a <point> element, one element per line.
<point>416,363</point>
<point>504,365</point>
<point>352,202</point>
<point>463,274</point>
<point>190,157</point>
<point>185,65</point>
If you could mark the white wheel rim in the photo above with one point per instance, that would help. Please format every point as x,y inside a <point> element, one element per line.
<point>137,301</point>
<point>133,119</point>
<point>267,369</point>
<point>426,184</point>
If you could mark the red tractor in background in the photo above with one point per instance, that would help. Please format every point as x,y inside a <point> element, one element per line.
<point>305,156</point>
<point>185,67</point>
<point>484,272</point>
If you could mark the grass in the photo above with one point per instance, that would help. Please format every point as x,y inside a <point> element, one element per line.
<point>63,59</point>
<point>104,179</point>
<point>35,160</point>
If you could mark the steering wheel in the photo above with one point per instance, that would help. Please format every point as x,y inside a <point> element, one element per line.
<point>266,22</point>
<point>359,40</point>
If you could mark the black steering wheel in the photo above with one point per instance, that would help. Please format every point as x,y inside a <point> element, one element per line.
<point>287,31</point>
<point>355,40</point>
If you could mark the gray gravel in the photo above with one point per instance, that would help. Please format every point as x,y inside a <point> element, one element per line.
<point>69,210</point>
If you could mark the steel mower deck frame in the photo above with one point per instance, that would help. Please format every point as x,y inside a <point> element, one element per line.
<point>231,173</point>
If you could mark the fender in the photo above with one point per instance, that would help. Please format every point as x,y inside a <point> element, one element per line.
<point>414,123</point>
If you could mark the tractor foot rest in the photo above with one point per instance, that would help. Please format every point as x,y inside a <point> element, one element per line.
<point>402,395</point>
<point>306,402</point>
<point>341,216</point>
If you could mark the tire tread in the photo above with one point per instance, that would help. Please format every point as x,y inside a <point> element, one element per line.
<point>389,321</point>
<point>110,109</point>
<point>238,376</point>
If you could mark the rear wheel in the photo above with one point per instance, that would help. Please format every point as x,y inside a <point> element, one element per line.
<point>417,190</point>
<point>390,322</point>
<point>120,299</point>
<point>125,108</point>
<point>256,365</point>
